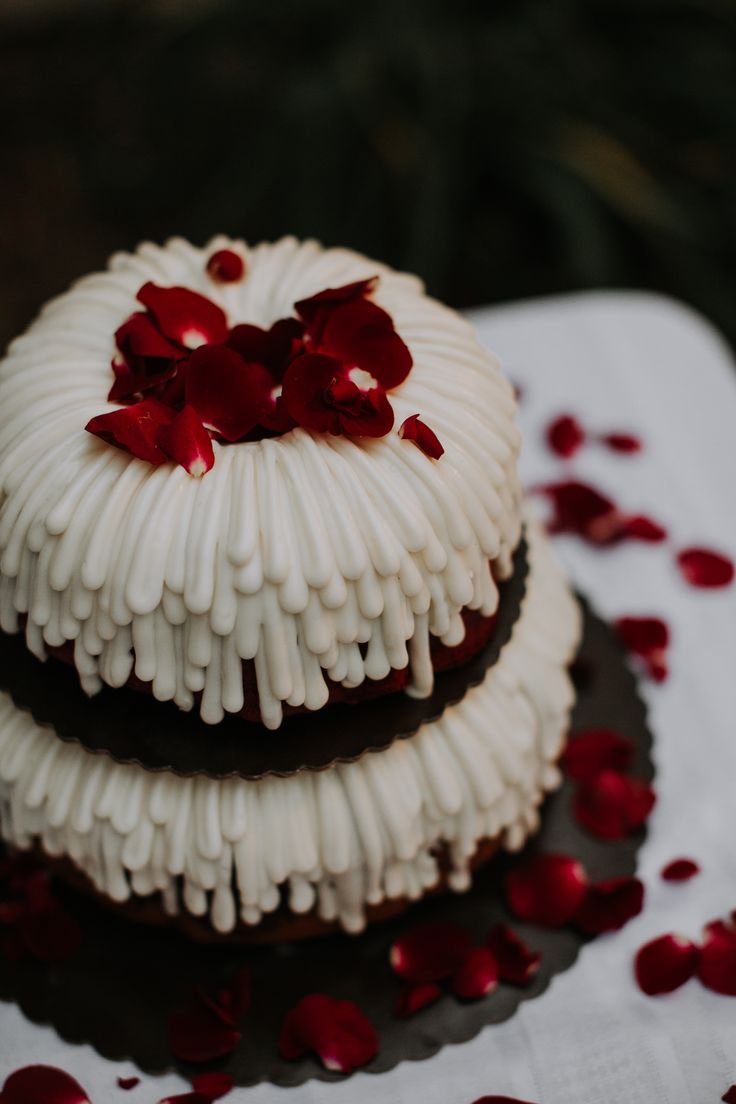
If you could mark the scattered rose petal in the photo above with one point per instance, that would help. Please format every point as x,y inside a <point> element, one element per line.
<point>611,804</point>
<point>320,394</point>
<point>430,952</point>
<point>415,997</point>
<point>647,638</point>
<point>226,266</point>
<point>581,509</point>
<point>186,441</point>
<point>42,1085</point>
<point>594,750</point>
<point>414,429</point>
<point>565,435</point>
<point>702,567</point>
<point>477,976</point>
<point>185,316</point>
<point>730,1095</point>
<point>236,998</point>
<point>640,527</point>
<point>717,966</point>
<point>128,1083</point>
<point>680,870</point>
<point>184,1098</point>
<point>227,392</point>
<point>336,1031</point>
<point>621,442</point>
<point>547,889</point>
<point>665,964</point>
<point>500,1100</point>
<point>516,962</point>
<point>609,905</point>
<point>135,429</point>
<point>200,1030</point>
<point>213,1085</point>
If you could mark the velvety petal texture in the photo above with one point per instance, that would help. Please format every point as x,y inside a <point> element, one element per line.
<point>42,1085</point>
<point>336,1031</point>
<point>547,889</point>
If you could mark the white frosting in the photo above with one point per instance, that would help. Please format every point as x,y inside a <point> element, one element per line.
<point>330,841</point>
<point>291,552</point>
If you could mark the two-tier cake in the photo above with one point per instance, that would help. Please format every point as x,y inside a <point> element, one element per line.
<point>281,647</point>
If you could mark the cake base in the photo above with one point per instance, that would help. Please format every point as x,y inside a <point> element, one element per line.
<point>116,993</point>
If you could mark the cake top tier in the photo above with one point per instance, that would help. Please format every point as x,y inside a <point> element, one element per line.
<point>324,536</point>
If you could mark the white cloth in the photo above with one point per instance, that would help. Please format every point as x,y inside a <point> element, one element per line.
<point>643,364</point>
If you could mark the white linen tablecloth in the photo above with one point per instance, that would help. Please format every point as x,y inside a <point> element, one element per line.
<point>644,364</point>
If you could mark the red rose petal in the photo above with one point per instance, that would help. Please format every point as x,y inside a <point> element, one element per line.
<point>646,638</point>
<point>185,316</point>
<point>226,266</point>
<point>665,964</point>
<point>516,962</point>
<point>415,997</point>
<point>477,976</point>
<point>730,1095</point>
<point>307,309</point>
<point>336,1031</point>
<point>318,395</point>
<point>499,1100</point>
<point>149,358</point>
<point>609,905</point>
<point>680,870</point>
<point>621,442</point>
<point>581,509</point>
<point>236,999</point>
<point>184,1098</point>
<point>199,1032</point>
<point>360,333</point>
<point>702,567</point>
<point>430,952</point>
<point>213,1085</point>
<point>611,804</point>
<point>128,1083</point>
<point>186,441</point>
<point>42,1085</point>
<point>594,750</point>
<point>414,429</point>
<point>717,966</point>
<point>139,339</point>
<point>565,435</point>
<point>134,429</point>
<point>547,889</point>
<point>640,527</point>
<point>227,392</point>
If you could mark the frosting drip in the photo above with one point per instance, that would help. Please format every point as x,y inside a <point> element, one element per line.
<point>310,555</point>
<point>331,841</point>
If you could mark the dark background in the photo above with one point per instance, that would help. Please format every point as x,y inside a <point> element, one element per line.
<point>499,149</point>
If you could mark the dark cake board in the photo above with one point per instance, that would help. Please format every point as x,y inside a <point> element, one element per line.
<point>116,993</point>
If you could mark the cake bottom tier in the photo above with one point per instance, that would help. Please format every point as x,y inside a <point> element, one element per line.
<point>335,846</point>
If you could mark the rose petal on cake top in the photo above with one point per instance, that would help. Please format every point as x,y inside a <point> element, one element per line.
<point>362,336</point>
<point>184,316</point>
<point>565,436</point>
<point>214,1085</point>
<point>717,964</point>
<point>621,442</point>
<point>430,952</point>
<point>703,567</point>
<point>414,429</point>
<point>477,976</point>
<point>547,889</point>
<point>148,358</point>
<point>227,392</point>
<point>134,429</point>
<point>128,1083</point>
<point>200,1031</point>
<point>328,298</point>
<point>319,394</point>
<point>336,1031</point>
<point>225,266</point>
<point>413,998</point>
<point>609,905</point>
<point>611,804</point>
<point>42,1085</point>
<point>594,750</point>
<point>647,638</point>
<point>186,441</point>
<point>665,963</point>
<point>516,962</point>
<point>680,870</point>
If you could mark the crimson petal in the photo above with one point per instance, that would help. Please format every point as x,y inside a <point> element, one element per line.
<point>680,870</point>
<point>729,1097</point>
<point>640,527</point>
<point>611,804</point>
<point>308,309</point>
<point>547,889</point>
<point>184,1098</point>
<point>415,997</point>
<point>499,1100</point>
<point>414,429</point>
<point>186,441</point>
<point>361,333</point>
<point>565,435</point>
<point>594,750</point>
<point>226,266</point>
<point>621,442</point>
<point>134,429</point>
<point>717,966</point>
<point>477,976</point>
<point>139,339</point>
<point>213,1085</point>
<point>42,1085</point>
<point>198,1033</point>
<point>227,392</point>
<point>318,394</point>
<point>647,638</point>
<point>185,316</point>
<point>516,962</point>
<point>702,567</point>
<point>430,952</point>
<point>609,905</point>
<point>336,1031</point>
<point>128,1083</point>
<point>665,963</point>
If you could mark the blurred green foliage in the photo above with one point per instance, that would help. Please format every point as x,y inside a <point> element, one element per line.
<point>499,149</point>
